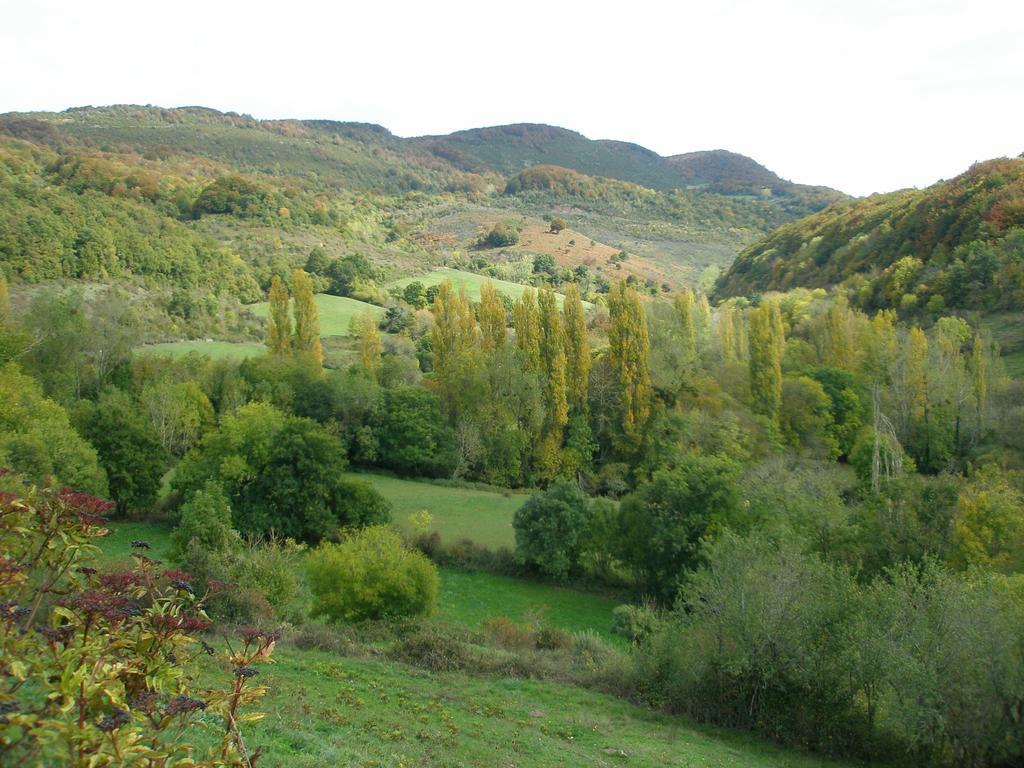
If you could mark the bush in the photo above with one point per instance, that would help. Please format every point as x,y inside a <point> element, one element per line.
<point>97,676</point>
<point>371,575</point>
<point>551,529</point>
<point>434,649</point>
<point>205,522</point>
<point>636,623</point>
<point>500,236</point>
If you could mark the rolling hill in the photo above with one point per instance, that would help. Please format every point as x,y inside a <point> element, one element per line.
<point>509,149</point>
<point>958,244</point>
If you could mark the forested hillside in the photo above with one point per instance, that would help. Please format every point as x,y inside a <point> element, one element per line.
<point>957,245</point>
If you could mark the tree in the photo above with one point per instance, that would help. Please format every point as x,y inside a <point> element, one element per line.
<point>454,328</point>
<point>415,295</point>
<point>205,522</point>
<point>128,446</point>
<point>179,413</point>
<point>526,321</point>
<point>766,361</point>
<point>684,304</point>
<point>805,416</point>
<point>664,523</point>
<point>551,529</point>
<point>279,323</point>
<point>37,439</point>
<point>412,435</point>
<point>552,353</point>
<point>370,347</point>
<point>5,303</point>
<point>282,474</point>
<point>577,348</point>
<point>491,315</point>
<point>557,225</point>
<point>307,319</point>
<point>629,350</point>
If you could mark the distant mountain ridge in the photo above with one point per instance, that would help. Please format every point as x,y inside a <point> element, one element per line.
<point>508,149</point>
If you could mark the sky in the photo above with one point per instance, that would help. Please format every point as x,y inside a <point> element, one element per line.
<point>862,95</point>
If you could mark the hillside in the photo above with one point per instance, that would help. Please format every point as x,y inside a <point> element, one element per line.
<point>196,209</point>
<point>509,149</point>
<point>958,244</point>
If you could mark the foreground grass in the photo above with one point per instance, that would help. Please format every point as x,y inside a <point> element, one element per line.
<point>228,350</point>
<point>326,710</point>
<point>335,312</point>
<point>485,517</point>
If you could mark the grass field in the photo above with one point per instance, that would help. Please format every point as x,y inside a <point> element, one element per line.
<point>214,349</point>
<point>471,598</point>
<point>327,710</point>
<point>468,280</point>
<point>483,516</point>
<point>336,312</point>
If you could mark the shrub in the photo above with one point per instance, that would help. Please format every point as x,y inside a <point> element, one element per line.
<point>551,529</point>
<point>271,570</point>
<point>434,649</point>
<point>371,575</point>
<point>98,676</point>
<point>500,236</point>
<point>206,522</point>
<point>636,623</point>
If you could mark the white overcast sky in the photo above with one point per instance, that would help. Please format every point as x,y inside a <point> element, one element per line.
<point>862,95</point>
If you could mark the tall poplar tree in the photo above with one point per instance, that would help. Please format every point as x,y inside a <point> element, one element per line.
<point>629,353</point>
<point>370,347</point>
<point>526,321</point>
<point>454,327</point>
<point>307,318</point>
<point>684,303</point>
<point>553,362</point>
<point>766,361</point>
<point>577,348</point>
<point>492,318</point>
<point>279,331</point>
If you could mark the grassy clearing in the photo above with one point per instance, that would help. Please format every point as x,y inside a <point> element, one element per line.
<point>326,710</point>
<point>471,598</point>
<point>459,513</point>
<point>215,349</point>
<point>468,280</point>
<point>336,312</point>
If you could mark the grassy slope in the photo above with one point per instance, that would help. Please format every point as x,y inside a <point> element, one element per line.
<point>459,279</point>
<point>214,349</point>
<point>336,312</point>
<point>326,710</point>
<point>483,516</point>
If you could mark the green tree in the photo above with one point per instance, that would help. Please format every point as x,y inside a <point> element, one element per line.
<point>526,321</point>
<point>415,294</point>
<point>279,322</point>
<point>577,348</point>
<point>491,315</point>
<point>37,439</point>
<point>766,361</point>
<point>307,318</point>
<point>282,474</point>
<point>629,351</point>
<point>205,522</point>
<point>552,351</point>
<point>685,306</point>
<point>556,225</point>
<point>128,446</point>
<point>412,435</point>
<point>369,345</point>
<point>551,529</point>
<point>664,523</point>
